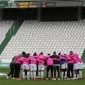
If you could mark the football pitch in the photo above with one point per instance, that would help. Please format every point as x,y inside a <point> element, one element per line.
<point>4,81</point>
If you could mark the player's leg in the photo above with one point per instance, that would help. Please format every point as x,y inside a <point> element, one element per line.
<point>65,71</point>
<point>51,72</point>
<point>28,72</point>
<point>18,70</point>
<point>58,71</point>
<point>71,70</point>
<point>31,70</point>
<point>39,71</point>
<point>7,76</point>
<point>48,68</point>
<point>75,71</point>
<point>23,71</point>
<point>12,73</point>
<point>54,68</point>
<point>80,74</point>
<point>34,72</point>
<point>15,72</point>
<point>80,70</point>
<point>42,71</point>
<point>68,72</point>
<point>62,71</point>
<point>78,65</point>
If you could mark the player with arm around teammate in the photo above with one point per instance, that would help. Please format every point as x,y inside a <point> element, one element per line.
<point>63,63</point>
<point>33,67</point>
<point>25,67</point>
<point>75,64</point>
<point>41,59</point>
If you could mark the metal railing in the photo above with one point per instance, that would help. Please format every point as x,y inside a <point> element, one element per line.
<point>13,25</point>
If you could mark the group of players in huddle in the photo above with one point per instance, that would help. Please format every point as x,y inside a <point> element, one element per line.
<point>64,66</point>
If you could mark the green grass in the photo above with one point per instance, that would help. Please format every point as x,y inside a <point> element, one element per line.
<point>4,81</point>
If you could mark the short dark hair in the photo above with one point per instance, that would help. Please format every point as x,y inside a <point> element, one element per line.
<point>71,52</point>
<point>54,52</point>
<point>59,53</point>
<point>23,53</point>
<point>41,53</point>
<point>48,53</point>
<point>35,54</point>
<point>28,54</point>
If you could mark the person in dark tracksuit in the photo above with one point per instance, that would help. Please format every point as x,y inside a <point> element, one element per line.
<point>12,65</point>
<point>56,65</point>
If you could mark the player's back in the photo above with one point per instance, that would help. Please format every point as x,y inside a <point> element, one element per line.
<point>69,60</point>
<point>32,60</point>
<point>49,61</point>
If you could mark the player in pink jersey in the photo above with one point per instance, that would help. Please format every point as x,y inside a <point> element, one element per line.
<point>36,56</point>
<point>41,59</point>
<point>45,62</point>
<point>17,56</point>
<point>70,66</point>
<point>25,67</point>
<point>80,66</point>
<point>76,64</point>
<point>33,68</point>
<point>49,62</point>
<point>63,63</point>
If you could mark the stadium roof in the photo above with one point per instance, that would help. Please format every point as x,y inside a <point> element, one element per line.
<point>49,0</point>
<point>43,0</point>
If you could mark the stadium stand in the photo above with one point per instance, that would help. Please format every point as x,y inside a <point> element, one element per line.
<point>4,27</point>
<point>47,37</point>
<point>59,29</point>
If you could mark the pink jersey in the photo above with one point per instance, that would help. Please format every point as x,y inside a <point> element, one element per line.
<point>40,62</point>
<point>19,61</point>
<point>26,60</point>
<point>57,59</point>
<point>80,60</point>
<point>32,60</point>
<point>77,56</point>
<point>46,57</point>
<point>74,58</point>
<point>41,59</point>
<point>16,57</point>
<point>35,57</point>
<point>49,61</point>
<point>69,60</point>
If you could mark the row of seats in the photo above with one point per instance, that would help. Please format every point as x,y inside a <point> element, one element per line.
<point>4,27</point>
<point>47,37</point>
